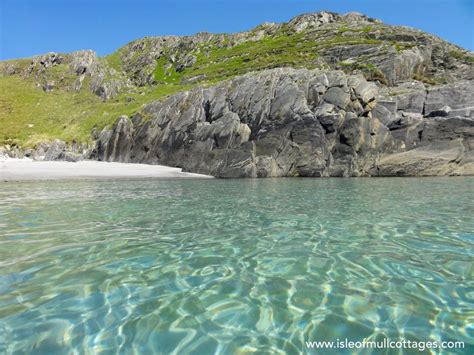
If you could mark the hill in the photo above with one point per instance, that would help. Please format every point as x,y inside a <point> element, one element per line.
<point>66,95</point>
<point>321,95</point>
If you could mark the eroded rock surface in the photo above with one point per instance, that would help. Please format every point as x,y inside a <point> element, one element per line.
<point>298,122</point>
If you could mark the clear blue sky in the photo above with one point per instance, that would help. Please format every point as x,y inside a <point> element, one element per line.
<point>29,27</point>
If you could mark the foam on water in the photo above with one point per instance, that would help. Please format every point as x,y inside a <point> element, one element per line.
<point>229,266</point>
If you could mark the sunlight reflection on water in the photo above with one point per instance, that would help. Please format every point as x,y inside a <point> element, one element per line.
<point>204,266</point>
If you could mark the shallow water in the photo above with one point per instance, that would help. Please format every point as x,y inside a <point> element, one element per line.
<point>228,266</point>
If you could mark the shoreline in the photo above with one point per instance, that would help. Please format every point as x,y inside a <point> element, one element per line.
<point>27,169</point>
<point>30,170</point>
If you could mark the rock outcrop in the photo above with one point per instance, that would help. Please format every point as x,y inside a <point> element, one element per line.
<point>290,122</point>
<point>56,150</point>
<point>68,71</point>
<point>321,95</point>
<point>353,42</point>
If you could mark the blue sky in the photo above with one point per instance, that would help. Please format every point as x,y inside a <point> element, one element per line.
<point>29,27</point>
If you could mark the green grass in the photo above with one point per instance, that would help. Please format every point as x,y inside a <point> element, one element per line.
<point>369,70</point>
<point>462,56</point>
<point>343,29</point>
<point>400,46</point>
<point>114,60</point>
<point>29,116</point>
<point>365,29</point>
<point>297,50</point>
<point>165,75</point>
<point>18,64</point>
<point>428,80</point>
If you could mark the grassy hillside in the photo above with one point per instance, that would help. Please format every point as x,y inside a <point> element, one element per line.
<point>28,115</point>
<point>152,68</point>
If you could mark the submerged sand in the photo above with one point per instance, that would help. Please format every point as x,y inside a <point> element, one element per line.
<point>23,169</point>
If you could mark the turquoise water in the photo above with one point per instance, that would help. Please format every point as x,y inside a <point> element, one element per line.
<point>234,266</point>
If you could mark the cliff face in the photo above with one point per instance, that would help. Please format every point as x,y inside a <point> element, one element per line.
<point>288,122</point>
<point>322,95</point>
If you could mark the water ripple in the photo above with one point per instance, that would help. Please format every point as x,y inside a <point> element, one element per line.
<point>254,266</point>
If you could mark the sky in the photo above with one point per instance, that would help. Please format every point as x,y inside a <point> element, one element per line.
<point>30,27</point>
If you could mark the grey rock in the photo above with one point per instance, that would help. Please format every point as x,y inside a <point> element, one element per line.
<point>383,114</point>
<point>303,22</point>
<point>105,82</point>
<point>385,111</point>
<point>293,122</point>
<point>404,65</point>
<point>337,97</point>
<point>115,144</point>
<point>43,62</point>
<point>55,151</point>
<point>59,150</point>
<point>84,62</point>
<point>447,158</point>
<point>411,102</point>
<point>457,96</point>
<point>366,92</point>
<point>48,86</point>
<point>462,112</point>
<point>390,106</point>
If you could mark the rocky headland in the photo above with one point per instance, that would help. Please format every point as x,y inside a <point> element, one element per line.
<point>322,95</point>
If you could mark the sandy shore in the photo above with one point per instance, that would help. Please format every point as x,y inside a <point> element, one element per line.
<point>23,169</point>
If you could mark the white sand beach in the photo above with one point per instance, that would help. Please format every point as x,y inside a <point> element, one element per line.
<point>25,169</point>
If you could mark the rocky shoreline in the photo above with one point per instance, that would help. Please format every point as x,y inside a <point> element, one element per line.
<point>380,101</point>
<point>294,122</point>
<point>54,151</point>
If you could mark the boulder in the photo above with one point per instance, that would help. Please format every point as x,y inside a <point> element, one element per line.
<point>366,92</point>
<point>338,97</point>
<point>55,151</point>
